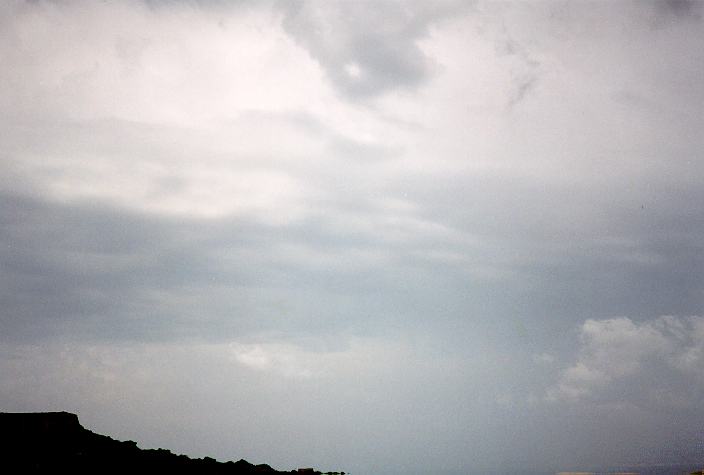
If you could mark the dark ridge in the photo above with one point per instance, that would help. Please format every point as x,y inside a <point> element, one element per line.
<point>51,442</point>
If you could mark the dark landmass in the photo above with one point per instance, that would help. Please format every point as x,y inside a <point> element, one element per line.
<point>52,441</point>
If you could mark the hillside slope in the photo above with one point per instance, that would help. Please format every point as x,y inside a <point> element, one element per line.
<point>52,441</point>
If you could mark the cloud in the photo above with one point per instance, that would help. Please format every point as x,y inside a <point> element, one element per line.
<point>649,362</point>
<point>523,86</point>
<point>200,191</point>
<point>251,399</point>
<point>544,358</point>
<point>113,273</point>
<point>366,51</point>
<point>319,217</point>
<point>167,63</point>
<point>525,69</point>
<point>678,9</point>
<point>284,359</point>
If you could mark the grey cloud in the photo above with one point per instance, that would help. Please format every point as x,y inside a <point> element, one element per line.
<point>584,243</point>
<point>526,71</point>
<point>471,248</point>
<point>99,272</point>
<point>675,14</point>
<point>681,9</point>
<point>523,86</point>
<point>457,264</point>
<point>366,49</point>
<point>525,77</point>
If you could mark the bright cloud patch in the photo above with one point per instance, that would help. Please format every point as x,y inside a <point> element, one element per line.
<point>649,358</point>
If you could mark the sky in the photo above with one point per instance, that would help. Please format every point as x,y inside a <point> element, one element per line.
<point>360,236</point>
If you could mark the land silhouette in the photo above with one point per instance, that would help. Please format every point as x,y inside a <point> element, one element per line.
<point>56,441</point>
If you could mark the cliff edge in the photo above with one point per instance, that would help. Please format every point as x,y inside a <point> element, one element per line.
<point>50,441</point>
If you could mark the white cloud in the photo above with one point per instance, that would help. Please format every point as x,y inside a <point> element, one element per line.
<point>648,357</point>
<point>288,360</point>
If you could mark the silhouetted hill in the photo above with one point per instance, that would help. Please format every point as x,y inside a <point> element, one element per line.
<point>52,441</point>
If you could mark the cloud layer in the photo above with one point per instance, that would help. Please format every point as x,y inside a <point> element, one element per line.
<point>441,234</point>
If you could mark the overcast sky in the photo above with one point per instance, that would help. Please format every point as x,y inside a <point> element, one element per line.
<point>358,236</point>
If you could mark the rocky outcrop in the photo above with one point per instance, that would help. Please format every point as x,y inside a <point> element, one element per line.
<point>50,442</point>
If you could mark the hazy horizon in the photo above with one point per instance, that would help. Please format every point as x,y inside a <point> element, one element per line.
<point>358,236</point>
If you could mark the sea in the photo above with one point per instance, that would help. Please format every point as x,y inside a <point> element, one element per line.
<point>627,470</point>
